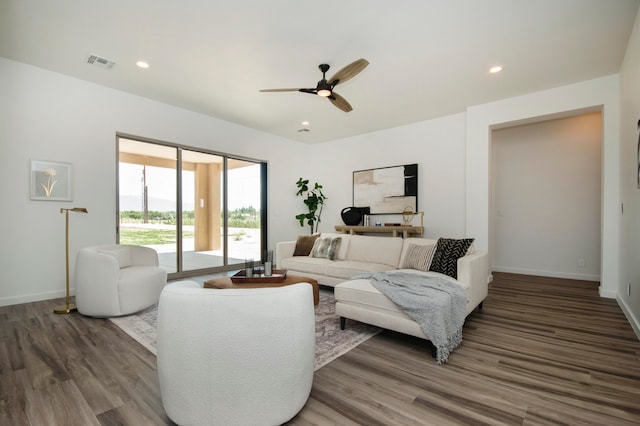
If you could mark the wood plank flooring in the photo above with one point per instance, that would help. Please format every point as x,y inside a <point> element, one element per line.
<point>543,351</point>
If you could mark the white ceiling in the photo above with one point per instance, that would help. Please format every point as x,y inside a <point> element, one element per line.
<point>427,58</point>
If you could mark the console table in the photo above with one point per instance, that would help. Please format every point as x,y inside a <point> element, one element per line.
<point>402,230</point>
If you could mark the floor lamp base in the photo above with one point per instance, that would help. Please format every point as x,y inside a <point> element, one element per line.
<point>66,309</point>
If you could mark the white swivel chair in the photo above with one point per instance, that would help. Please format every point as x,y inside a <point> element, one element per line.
<point>235,356</point>
<point>114,279</point>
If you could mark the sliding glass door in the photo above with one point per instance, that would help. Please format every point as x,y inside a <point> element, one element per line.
<point>202,212</point>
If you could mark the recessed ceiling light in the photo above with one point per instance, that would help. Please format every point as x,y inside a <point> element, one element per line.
<point>496,69</point>
<point>305,123</point>
<point>142,64</point>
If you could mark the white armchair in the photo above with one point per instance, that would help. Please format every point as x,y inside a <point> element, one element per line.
<point>113,279</point>
<point>235,356</point>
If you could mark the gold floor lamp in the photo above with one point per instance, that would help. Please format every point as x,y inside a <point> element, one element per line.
<point>68,307</point>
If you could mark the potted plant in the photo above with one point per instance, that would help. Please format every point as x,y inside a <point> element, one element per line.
<point>314,201</point>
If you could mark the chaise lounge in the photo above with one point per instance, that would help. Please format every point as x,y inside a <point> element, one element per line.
<point>359,300</point>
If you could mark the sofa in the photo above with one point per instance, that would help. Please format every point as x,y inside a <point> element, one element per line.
<point>358,299</point>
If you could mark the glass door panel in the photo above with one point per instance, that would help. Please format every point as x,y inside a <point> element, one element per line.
<point>147,198</point>
<point>202,243</point>
<point>244,211</point>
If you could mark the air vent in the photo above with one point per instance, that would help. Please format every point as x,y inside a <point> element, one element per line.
<point>101,62</point>
<point>304,130</point>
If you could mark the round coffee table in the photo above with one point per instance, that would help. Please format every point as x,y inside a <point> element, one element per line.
<point>225,282</point>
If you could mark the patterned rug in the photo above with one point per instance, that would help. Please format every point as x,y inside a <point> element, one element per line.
<point>331,342</point>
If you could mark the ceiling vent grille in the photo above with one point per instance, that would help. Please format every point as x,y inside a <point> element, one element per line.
<point>101,62</point>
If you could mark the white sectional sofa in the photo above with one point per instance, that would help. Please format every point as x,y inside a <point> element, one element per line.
<point>356,253</point>
<point>359,299</point>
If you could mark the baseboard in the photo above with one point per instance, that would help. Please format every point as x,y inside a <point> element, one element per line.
<point>607,294</point>
<point>567,275</point>
<point>635,324</point>
<point>33,297</point>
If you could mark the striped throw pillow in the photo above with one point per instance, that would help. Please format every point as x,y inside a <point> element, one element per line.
<point>419,257</point>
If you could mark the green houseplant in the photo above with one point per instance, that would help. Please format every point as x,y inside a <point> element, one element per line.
<point>314,200</point>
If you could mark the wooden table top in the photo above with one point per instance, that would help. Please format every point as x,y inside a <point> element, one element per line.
<point>225,282</point>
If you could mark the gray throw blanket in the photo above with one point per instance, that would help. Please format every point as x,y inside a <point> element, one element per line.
<point>437,305</point>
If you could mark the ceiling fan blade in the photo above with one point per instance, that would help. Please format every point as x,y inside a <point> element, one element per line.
<point>340,102</point>
<point>280,90</point>
<point>349,71</point>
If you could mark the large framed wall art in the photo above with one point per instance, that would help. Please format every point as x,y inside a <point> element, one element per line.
<point>386,190</point>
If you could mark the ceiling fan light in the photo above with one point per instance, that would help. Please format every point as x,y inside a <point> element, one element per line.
<point>325,93</point>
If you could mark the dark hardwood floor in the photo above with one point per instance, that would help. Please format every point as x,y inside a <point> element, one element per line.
<point>542,351</point>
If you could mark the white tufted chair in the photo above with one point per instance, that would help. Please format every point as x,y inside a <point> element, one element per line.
<point>114,279</point>
<point>235,356</point>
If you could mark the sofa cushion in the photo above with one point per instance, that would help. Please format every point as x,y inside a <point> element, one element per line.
<point>304,244</point>
<point>448,251</point>
<point>362,293</point>
<point>418,257</point>
<point>311,265</point>
<point>344,244</point>
<point>326,247</point>
<point>348,268</point>
<point>384,250</point>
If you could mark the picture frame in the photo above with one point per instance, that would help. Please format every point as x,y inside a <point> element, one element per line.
<point>386,190</point>
<point>50,181</point>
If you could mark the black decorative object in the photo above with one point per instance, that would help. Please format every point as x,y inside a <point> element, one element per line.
<point>351,216</point>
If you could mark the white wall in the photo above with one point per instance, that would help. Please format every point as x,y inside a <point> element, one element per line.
<point>602,93</point>
<point>629,132</point>
<point>437,146</point>
<point>48,116</point>
<point>546,198</point>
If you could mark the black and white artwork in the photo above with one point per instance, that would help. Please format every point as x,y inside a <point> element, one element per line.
<point>386,190</point>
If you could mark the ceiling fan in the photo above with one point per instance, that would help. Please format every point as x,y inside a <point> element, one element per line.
<point>325,86</point>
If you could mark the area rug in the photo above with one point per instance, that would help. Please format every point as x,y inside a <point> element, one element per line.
<point>331,342</point>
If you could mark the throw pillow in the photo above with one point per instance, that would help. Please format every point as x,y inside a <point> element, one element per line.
<point>326,247</point>
<point>419,257</point>
<point>304,244</point>
<point>448,251</point>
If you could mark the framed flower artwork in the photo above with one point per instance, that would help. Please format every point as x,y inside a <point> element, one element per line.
<point>50,181</point>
